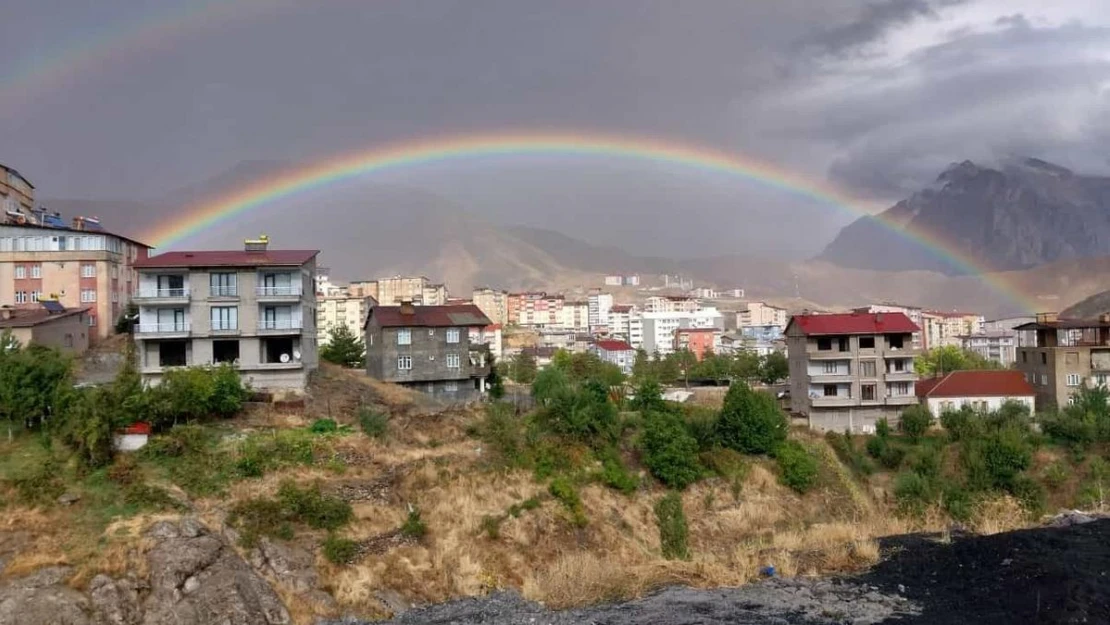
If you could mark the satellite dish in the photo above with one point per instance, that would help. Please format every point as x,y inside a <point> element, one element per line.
<point>284,358</point>
<point>296,355</point>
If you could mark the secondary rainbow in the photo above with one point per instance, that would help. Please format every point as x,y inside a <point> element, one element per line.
<point>449,149</point>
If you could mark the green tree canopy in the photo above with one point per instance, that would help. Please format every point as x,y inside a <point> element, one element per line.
<point>774,368</point>
<point>344,348</point>
<point>522,368</point>
<point>948,358</point>
<point>751,421</point>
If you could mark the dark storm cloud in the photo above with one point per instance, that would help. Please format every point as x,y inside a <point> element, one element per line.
<point>872,23</point>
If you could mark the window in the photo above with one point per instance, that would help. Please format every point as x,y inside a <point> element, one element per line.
<point>1100,379</point>
<point>92,321</point>
<point>404,337</point>
<point>452,361</point>
<point>225,351</point>
<point>1044,358</point>
<point>115,271</point>
<point>451,387</point>
<point>68,341</point>
<point>867,392</point>
<point>223,284</point>
<point>867,368</point>
<point>843,343</point>
<point>36,271</point>
<point>897,341</point>
<point>867,342</point>
<point>452,335</point>
<point>1074,379</point>
<point>404,363</point>
<point>947,406</point>
<point>830,390</point>
<point>830,368</point>
<point>824,344</point>
<point>225,318</point>
<point>1025,356</point>
<point>35,296</point>
<point>1044,379</point>
<point>898,366</point>
<point>172,354</point>
<point>20,272</point>
<point>88,295</point>
<point>21,297</point>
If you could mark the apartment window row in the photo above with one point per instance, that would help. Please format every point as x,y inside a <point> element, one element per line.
<point>404,335</point>
<point>60,243</point>
<point>22,271</point>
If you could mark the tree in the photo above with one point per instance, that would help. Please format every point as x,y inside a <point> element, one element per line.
<point>344,348</point>
<point>666,369</point>
<point>684,360</point>
<point>751,421</point>
<point>548,384</point>
<point>494,382</point>
<point>713,367</point>
<point>948,358</point>
<point>522,368</point>
<point>648,397</point>
<point>127,319</point>
<point>745,365</point>
<point>915,421</point>
<point>774,368</point>
<point>30,380</point>
<point>670,453</point>
<point>642,368</point>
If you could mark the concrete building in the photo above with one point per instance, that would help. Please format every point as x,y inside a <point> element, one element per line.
<point>429,349</point>
<point>997,345</point>
<point>659,327</point>
<point>77,263</point>
<point>1007,323</point>
<point>490,336</point>
<point>704,292</point>
<point>618,321</point>
<point>618,353</point>
<point>392,291</point>
<point>913,312</point>
<point>942,329</point>
<point>671,304</point>
<point>254,308</point>
<point>574,315</point>
<point>614,280</point>
<point>17,194</point>
<point>600,305</point>
<point>339,310</point>
<point>761,314</point>
<point>1060,356</point>
<point>48,324</point>
<point>697,341</point>
<point>494,303</point>
<point>847,371</point>
<point>985,391</point>
<point>535,309</point>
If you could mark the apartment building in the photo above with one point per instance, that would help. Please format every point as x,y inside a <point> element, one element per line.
<point>847,371</point>
<point>697,341</point>
<point>574,315</point>
<point>619,315</point>
<point>913,312</point>
<point>254,308</point>
<point>659,327</point>
<point>671,304</point>
<point>997,345</point>
<point>942,329</point>
<point>1060,356</point>
<point>392,291</point>
<point>494,303</point>
<point>616,352</point>
<point>600,305</point>
<point>429,348</point>
<point>339,309</point>
<point>705,292</point>
<point>79,264</point>
<point>490,336</point>
<point>761,314</point>
<point>17,194</point>
<point>535,309</point>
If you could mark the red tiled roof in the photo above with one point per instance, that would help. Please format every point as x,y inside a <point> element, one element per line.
<point>854,323</point>
<point>457,315</point>
<point>976,384</point>
<point>493,326</point>
<point>611,345</point>
<point>228,258</point>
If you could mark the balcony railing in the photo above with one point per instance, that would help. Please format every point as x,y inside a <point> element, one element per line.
<point>177,327</point>
<point>162,293</point>
<point>223,291</point>
<point>280,324</point>
<point>224,326</point>
<point>293,290</point>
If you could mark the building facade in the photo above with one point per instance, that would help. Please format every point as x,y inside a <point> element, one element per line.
<point>599,305</point>
<point>48,325</point>
<point>1061,356</point>
<point>913,312</point>
<point>490,336</point>
<point>392,291</point>
<point>761,314</point>
<point>697,341</point>
<point>17,194</point>
<point>429,349</point>
<point>494,303</point>
<point>338,309</point>
<point>659,327</point>
<point>616,352</point>
<point>255,309</point>
<point>847,371</point>
<point>78,264</point>
<point>944,329</point>
<point>997,345</point>
<point>984,391</point>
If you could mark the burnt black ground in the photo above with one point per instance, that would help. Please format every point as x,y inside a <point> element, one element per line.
<point>1038,576</point>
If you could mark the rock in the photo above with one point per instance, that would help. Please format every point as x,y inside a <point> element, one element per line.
<point>115,602</point>
<point>163,529</point>
<point>68,499</point>
<point>42,599</point>
<point>293,568</point>
<point>190,585</point>
<point>191,528</point>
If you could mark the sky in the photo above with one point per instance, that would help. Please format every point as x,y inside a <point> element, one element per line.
<point>133,99</point>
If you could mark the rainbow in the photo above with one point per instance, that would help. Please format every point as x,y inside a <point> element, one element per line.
<point>449,149</point>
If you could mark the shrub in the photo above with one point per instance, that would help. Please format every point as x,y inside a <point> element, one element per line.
<point>845,449</point>
<point>340,550</point>
<point>701,423</point>
<point>262,453</point>
<point>502,430</point>
<point>311,507</point>
<point>1055,475</point>
<point>414,526</point>
<point>727,463</point>
<point>564,492</point>
<point>150,497</point>
<point>648,397</point>
<point>673,533</point>
<point>1029,493</point>
<point>926,462</point>
<point>550,457</point>
<point>1072,427</point>
<point>915,422</point>
<point>886,451</point>
<point>797,466</point>
<point>669,452</point>
<point>912,491</point>
<point>531,503</point>
<point>882,428</point>
<point>39,483</point>
<point>1096,487</point>
<point>962,424</point>
<point>584,414</point>
<point>957,502</point>
<point>324,426</point>
<point>491,525</point>
<point>256,518</point>
<point>751,421</point>
<point>615,475</point>
<point>374,424</point>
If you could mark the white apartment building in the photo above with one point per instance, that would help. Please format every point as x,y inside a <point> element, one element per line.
<point>945,328</point>
<point>494,303</point>
<point>489,335</point>
<point>573,316</point>
<point>671,303</point>
<point>392,291</point>
<point>761,314</point>
<point>336,310</point>
<point>600,304</point>
<point>998,345</point>
<point>659,327</point>
<point>705,292</point>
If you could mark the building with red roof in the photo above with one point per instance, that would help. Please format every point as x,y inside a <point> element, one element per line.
<point>617,352</point>
<point>984,391</point>
<point>848,370</point>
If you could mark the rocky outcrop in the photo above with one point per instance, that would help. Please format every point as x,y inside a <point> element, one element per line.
<point>43,599</point>
<point>293,568</point>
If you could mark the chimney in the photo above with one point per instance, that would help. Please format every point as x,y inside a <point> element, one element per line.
<point>256,245</point>
<point>407,308</point>
<point>1046,317</point>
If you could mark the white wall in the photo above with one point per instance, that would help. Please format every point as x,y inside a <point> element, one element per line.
<point>935,404</point>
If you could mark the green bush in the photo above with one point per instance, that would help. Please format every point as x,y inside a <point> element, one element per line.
<point>915,422</point>
<point>882,428</point>
<point>565,493</point>
<point>913,491</point>
<point>149,497</point>
<point>1072,427</point>
<point>1055,475</point>
<point>615,475</point>
<point>38,483</point>
<point>262,453</point>
<point>886,451</point>
<point>414,526</point>
<point>669,452</point>
<point>845,449</point>
<point>701,423</point>
<point>549,457</point>
<point>798,468</point>
<point>957,502</point>
<point>503,431</point>
<point>673,533</point>
<point>1029,493</point>
<point>727,463</point>
<point>310,506</point>
<point>1095,488</point>
<point>517,509</point>
<point>962,424</point>
<point>750,421</point>
<point>926,462</point>
<point>584,414</point>
<point>648,397</point>
<point>340,550</point>
<point>995,460</point>
<point>255,518</point>
<point>324,426</point>
<point>374,424</point>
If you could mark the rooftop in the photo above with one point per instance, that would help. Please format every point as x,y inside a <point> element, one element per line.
<point>951,314</point>
<point>611,345</point>
<point>90,230</point>
<point>455,315</point>
<point>228,258</point>
<point>620,308</point>
<point>1065,324</point>
<point>30,317</point>
<point>1000,383</point>
<point>853,323</point>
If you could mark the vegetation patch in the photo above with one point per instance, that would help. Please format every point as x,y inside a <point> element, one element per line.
<point>673,532</point>
<point>277,517</point>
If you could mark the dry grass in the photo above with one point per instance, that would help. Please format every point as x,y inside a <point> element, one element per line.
<point>1002,514</point>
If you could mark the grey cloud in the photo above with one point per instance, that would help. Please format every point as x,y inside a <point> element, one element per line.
<point>874,20</point>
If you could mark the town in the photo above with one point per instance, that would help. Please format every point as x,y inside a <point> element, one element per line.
<point>272,312</point>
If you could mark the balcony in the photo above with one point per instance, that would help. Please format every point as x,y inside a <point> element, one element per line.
<point>154,295</point>
<point>837,401</point>
<point>280,326</point>
<point>223,292</point>
<point>901,400</point>
<point>287,292</point>
<point>224,327</point>
<point>830,354</point>
<point>831,378</point>
<point>901,376</point>
<point>178,329</point>
<point>902,352</point>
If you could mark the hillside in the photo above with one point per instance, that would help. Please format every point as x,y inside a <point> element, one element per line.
<point>1023,214</point>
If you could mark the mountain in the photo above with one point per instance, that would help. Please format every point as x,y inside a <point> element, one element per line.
<point>1026,212</point>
